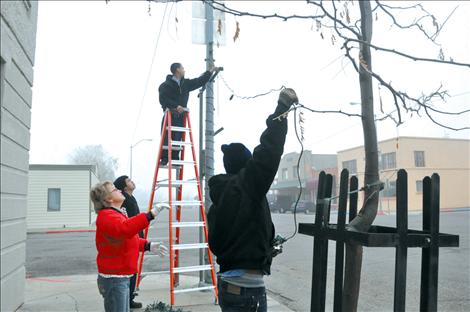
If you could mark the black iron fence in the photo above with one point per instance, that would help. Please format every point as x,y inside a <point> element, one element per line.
<point>401,238</point>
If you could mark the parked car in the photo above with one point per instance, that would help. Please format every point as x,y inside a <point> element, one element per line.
<point>274,206</point>
<point>303,206</point>
<point>281,204</point>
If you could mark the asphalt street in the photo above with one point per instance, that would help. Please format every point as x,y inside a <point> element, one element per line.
<point>290,282</point>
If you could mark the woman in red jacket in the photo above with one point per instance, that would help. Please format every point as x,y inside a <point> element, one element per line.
<point>118,245</point>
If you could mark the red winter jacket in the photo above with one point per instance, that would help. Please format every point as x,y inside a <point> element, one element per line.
<point>117,241</point>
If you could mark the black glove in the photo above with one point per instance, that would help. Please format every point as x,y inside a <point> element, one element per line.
<point>287,97</point>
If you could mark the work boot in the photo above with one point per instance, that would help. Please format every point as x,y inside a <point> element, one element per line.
<point>135,305</point>
<point>163,162</point>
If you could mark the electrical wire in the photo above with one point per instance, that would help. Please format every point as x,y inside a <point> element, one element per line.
<point>247,97</point>
<point>298,174</point>
<point>149,74</point>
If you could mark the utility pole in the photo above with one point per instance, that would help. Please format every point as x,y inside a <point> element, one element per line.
<point>207,165</point>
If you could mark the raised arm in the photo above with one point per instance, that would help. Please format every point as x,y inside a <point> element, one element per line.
<point>193,84</point>
<point>259,172</point>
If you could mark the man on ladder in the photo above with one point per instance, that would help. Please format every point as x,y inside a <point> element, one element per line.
<point>174,95</point>
<point>241,231</point>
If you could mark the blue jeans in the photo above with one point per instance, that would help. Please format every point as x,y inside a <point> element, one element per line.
<point>115,292</point>
<point>241,299</point>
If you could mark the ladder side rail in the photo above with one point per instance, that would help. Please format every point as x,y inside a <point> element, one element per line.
<point>202,210</point>
<point>170,216</point>
<point>152,193</point>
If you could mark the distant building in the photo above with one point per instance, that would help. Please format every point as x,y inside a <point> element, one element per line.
<point>420,157</point>
<point>285,188</point>
<point>59,196</point>
<point>17,49</point>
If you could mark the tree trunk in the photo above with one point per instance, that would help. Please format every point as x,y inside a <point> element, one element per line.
<point>368,212</point>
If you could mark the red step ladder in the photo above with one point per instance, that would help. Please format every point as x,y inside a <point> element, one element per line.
<point>174,243</point>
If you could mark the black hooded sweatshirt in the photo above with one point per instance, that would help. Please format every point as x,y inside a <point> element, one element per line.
<point>239,220</point>
<point>171,94</point>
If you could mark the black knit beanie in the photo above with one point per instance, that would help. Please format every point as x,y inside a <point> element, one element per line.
<point>235,157</point>
<point>120,183</point>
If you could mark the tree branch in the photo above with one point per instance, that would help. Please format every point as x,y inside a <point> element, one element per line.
<point>330,111</point>
<point>222,7</point>
<point>414,58</point>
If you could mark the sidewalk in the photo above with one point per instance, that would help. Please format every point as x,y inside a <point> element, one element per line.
<point>80,293</point>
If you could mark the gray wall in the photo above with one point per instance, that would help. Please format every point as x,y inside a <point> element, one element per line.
<point>18,41</point>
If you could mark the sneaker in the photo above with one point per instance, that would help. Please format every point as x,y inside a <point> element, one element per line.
<point>135,305</point>
<point>163,162</point>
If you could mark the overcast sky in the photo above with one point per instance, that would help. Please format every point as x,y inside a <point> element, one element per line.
<point>93,60</point>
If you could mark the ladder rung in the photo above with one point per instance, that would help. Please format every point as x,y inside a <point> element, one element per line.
<point>178,182</point>
<point>180,129</point>
<point>192,268</point>
<point>180,143</point>
<point>187,224</point>
<point>173,148</point>
<point>177,291</point>
<point>183,202</point>
<point>178,163</point>
<point>154,273</point>
<point>182,162</point>
<point>189,246</point>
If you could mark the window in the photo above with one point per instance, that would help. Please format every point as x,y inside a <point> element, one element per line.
<point>351,165</point>
<point>419,186</point>
<point>53,199</point>
<point>285,175</point>
<point>295,168</point>
<point>389,161</point>
<point>419,159</point>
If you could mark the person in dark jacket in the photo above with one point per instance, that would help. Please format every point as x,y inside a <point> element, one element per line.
<point>240,227</point>
<point>174,95</point>
<point>127,187</point>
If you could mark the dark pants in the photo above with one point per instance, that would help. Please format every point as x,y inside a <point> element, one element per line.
<point>177,120</point>
<point>132,284</point>
<point>133,280</point>
<point>241,299</point>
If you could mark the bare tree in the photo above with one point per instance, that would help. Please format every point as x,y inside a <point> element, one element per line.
<point>335,18</point>
<point>95,155</point>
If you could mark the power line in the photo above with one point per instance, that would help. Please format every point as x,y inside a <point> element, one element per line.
<point>149,73</point>
<point>247,97</point>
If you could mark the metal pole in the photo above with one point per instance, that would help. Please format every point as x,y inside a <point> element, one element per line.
<point>209,122</point>
<point>201,175</point>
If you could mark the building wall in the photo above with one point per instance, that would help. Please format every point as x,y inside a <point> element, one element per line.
<point>447,157</point>
<point>93,181</point>
<point>75,205</point>
<point>18,40</point>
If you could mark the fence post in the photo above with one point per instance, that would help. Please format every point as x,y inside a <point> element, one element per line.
<point>399,300</point>
<point>434,246</point>
<point>425,252</point>
<point>320,245</point>
<point>339,260</point>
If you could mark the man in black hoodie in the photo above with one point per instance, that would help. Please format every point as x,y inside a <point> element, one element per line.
<point>240,226</point>
<point>127,187</point>
<point>174,95</point>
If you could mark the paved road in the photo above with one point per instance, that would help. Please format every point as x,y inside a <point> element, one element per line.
<point>74,253</point>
